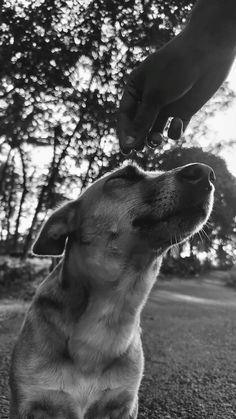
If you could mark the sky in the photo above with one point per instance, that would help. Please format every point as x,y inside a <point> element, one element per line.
<point>223,125</point>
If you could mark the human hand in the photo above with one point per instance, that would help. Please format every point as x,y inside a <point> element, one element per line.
<point>174,82</point>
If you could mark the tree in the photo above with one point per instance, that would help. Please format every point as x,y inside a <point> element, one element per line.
<point>63,67</point>
<point>219,233</point>
<point>62,70</point>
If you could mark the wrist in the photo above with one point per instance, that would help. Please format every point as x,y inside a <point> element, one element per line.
<point>213,24</point>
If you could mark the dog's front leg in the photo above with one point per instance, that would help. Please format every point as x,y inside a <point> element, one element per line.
<point>121,413</point>
<point>113,409</point>
<point>134,414</point>
<point>48,404</point>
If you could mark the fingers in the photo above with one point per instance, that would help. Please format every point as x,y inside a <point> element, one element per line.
<point>175,130</point>
<point>141,121</point>
<point>155,137</point>
<point>128,108</point>
<point>191,102</point>
<point>145,117</point>
<point>132,134</point>
<point>177,127</point>
<point>181,113</point>
<point>126,141</point>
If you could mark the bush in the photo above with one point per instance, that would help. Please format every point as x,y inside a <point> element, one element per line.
<point>231,278</point>
<point>18,279</point>
<point>182,267</point>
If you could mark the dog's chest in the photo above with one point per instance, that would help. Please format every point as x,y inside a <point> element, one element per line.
<point>92,373</point>
<point>102,334</point>
<point>84,390</point>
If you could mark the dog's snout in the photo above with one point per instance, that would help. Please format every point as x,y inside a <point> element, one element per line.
<point>196,173</point>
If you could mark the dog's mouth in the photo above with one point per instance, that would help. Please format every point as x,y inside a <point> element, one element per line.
<point>179,224</point>
<point>150,220</point>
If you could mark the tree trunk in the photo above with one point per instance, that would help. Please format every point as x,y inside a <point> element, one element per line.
<point>10,208</point>
<point>52,174</point>
<point>4,171</point>
<point>22,200</point>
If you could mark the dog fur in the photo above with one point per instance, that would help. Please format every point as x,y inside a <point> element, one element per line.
<point>79,353</point>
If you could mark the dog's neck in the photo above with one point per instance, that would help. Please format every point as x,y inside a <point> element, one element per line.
<point>120,282</point>
<point>106,320</point>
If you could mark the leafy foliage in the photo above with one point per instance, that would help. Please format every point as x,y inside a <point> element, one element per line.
<point>63,68</point>
<point>219,233</point>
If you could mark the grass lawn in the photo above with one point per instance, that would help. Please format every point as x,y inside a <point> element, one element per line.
<point>189,336</point>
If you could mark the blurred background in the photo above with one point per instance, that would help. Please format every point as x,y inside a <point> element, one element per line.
<point>63,67</point>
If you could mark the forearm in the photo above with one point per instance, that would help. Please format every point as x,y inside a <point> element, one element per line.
<point>214,22</point>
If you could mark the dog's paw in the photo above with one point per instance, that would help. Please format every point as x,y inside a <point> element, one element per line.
<point>52,405</point>
<point>38,415</point>
<point>42,414</point>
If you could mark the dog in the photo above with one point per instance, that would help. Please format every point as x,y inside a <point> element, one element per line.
<point>79,354</point>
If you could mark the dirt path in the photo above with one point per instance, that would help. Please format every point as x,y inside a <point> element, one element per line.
<point>189,335</point>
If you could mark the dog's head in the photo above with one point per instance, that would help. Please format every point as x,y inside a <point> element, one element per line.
<point>130,213</point>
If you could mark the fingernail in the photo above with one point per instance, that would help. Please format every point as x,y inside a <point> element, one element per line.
<point>127,153</point>
<point>155,139</point>
<point>128,145</point>
<point>139,147</point>
<point>175,131</point>
<point>130,140</point>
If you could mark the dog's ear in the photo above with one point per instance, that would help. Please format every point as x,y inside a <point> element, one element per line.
<point>52,237</point>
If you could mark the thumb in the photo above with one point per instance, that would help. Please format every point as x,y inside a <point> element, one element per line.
<point>145,117</point>
<point>126,113</point>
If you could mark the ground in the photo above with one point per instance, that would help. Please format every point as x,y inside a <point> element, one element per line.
<point>189,335</point>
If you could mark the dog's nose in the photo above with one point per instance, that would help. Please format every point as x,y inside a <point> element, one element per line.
<point>196,174</point>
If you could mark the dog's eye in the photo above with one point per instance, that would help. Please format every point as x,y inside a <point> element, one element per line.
<point>119,180</point>
<point>118,183</point>
<point>129,176</point>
